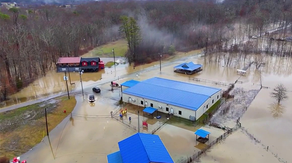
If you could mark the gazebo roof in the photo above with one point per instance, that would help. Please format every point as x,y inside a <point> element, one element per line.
<point>202,133</point>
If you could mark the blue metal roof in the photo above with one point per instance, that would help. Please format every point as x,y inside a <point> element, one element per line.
<point>149,110</point>
<point>115,157</point>
<point>202,133</point>
<point>188,66</point>
<point>130,83</point>
<point>144,148</point>
<point>186,95</point>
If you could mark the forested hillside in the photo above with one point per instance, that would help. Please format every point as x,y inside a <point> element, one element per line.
<point>33,38</point>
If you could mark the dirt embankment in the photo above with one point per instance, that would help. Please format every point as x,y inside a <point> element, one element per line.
<point>230,112</point>
<point>23,128</point>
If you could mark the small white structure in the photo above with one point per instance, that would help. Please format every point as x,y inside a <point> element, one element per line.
<point>185,100</point>
<point>241,72</point>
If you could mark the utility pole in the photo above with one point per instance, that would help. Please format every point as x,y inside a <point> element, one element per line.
<point>65,78</point>
<point>46,122</point>
<point>160,61</point>
<point>114,60</point>
<point>80,73</point>
<point>138,122</point>
<point>114,56</point>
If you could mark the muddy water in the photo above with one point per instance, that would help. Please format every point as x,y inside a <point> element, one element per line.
<point>265,124</point>
<point>53,82</point>
<point>180,143</point>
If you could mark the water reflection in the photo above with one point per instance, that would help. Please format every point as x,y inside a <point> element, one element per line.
<point>216,67</point>
<point>277,110</point>
<point>72,119</point>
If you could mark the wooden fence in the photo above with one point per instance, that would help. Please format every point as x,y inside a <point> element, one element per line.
<point>219,139</point>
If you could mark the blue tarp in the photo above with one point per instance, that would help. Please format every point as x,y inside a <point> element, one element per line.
<point>130,83</point>
<point>188,66</point>
<point>144,148</point>
<point>115,157</point>
<point>149,110</point>
<point>185,95</point>
<point>202,133</point>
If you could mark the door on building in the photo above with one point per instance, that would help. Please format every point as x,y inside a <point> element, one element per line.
<point>171,111</point>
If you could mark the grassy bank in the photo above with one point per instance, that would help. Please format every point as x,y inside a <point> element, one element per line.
<point>120,48</point>
<point>190,125</point>
<point>205,117</point>
<point>25,134</point>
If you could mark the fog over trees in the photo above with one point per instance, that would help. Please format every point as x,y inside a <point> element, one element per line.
<point>33,38</point>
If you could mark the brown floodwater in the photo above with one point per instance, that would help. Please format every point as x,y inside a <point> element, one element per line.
<point>95,121</point>
<point>53,82</point>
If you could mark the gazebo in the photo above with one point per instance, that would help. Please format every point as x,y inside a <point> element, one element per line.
<point>188,68</point>
<point>203,135</point>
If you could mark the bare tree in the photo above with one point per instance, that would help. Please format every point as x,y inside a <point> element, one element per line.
<point>279,93</point>
<point>4,160</point>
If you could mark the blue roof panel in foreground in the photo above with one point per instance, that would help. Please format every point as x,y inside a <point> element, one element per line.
<point>188,66</point>
<point>115,157</point>
<point>130,83</point>
<point>144,148</point>
<point>202,133</point>
<point>186,95</point>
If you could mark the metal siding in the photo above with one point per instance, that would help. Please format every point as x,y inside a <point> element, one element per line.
<point>130,83</point>
<point>132,150</point>
<point>188,87</point>
<point>115,157</point>
<point>155,148</point>
<point>166,95</point>
<point>144,148</point>
<point>186,112</point>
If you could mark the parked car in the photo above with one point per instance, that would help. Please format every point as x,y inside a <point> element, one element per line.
<point>96,90</point>
<point>91,98</point>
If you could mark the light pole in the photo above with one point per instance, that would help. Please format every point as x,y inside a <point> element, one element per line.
<point>114,60</point>
<point>66,79</point>
<point>114,56</point>
<point>80,73</point>
<point>47,128</point>
<point>138,122</point>
<point>160,61</point>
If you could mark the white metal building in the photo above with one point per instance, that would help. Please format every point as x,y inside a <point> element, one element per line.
<point>186,100</point>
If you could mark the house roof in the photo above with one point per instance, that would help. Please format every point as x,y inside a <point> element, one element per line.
<point>63,60</point>
<point>144,148</point>
<point>130,83</point>
<point>188,66</point>
<point>186,95</point>
<point>202,133</point>
<point>115,157</point>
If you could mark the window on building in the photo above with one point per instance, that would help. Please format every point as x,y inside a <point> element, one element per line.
<point>151,104</point>
<point>207,106</point>
<point>212,101</point>
<point>167,109</point>
<point>179,112</point>
<point>141,102</point>
<point>217,96</point>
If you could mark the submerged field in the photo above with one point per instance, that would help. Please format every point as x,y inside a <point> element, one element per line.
<point>25,127</point>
